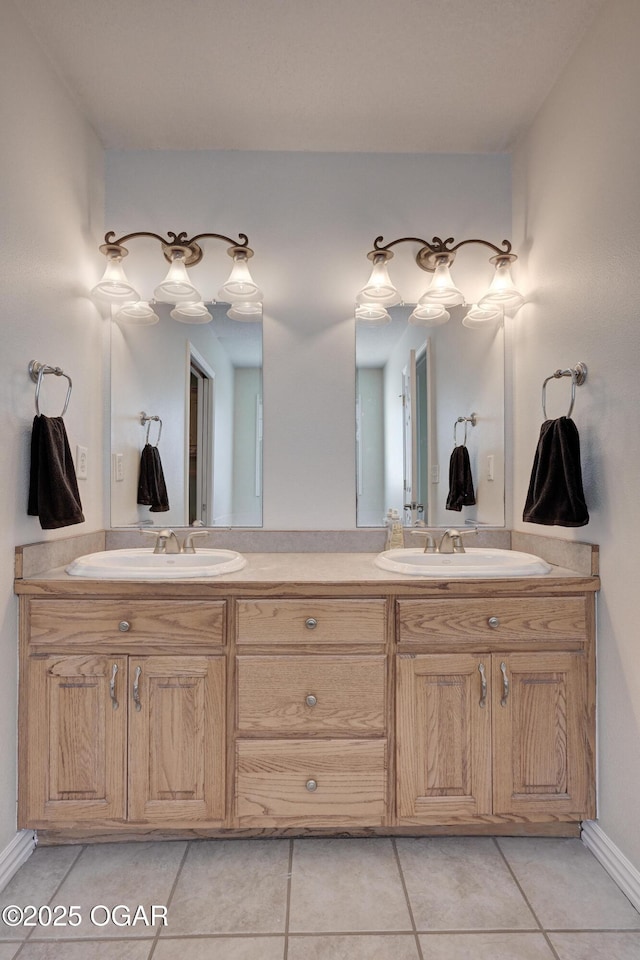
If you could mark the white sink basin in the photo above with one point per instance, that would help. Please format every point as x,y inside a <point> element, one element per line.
<point>141,563</point>
<point>475,562</point>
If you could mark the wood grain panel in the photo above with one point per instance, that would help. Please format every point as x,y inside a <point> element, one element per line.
<point>76,740</point>
<point>519,619</point>
<point>83,623</point>
<point>285,621</point>
<point>542,760</point>
<point>272,776</point>
<point>443,738</point>
<point>177,740</point>
<point>272,695</point>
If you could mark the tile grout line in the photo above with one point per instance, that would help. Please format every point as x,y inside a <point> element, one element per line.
<point>526,899</point>
<point>406,896</point>
<point>53,896</point>
<point>170,897</point>
<point>287,913</point>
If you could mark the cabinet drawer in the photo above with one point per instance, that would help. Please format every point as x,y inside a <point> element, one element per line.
<point>297,781</point>
<point>311,621</point>
<point>512,619</point>
<point>311,695</point>
<point>87,623</point>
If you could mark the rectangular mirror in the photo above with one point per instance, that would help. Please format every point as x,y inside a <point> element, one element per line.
<point>412,385</point>
<point>204,382</point>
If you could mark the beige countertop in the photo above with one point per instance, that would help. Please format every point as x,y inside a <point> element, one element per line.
<point>269,572</point>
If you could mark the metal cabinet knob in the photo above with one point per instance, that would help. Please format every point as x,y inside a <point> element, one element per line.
<point>311,785</point>
<point>311,623</point>
<point>124,626</point>
<point>311,700</point>
<point>493,622</point>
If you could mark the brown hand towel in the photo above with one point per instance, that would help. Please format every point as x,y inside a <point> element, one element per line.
<point>461,492</point>
<point>53,487</point>
<point>555,496</point>
<point>152,489</point>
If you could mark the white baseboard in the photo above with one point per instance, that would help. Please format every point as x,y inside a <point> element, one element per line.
<point>15,854</point>
<point>613,860</point>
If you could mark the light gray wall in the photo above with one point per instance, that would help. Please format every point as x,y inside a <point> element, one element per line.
<point>577,227</point>
<point>51,170</point>
<point>311,218</point>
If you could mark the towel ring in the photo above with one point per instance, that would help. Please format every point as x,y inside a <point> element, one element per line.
<point>37,371</point>
<point>466,420</point>
<point>144,418</point>
<point>578,376</point>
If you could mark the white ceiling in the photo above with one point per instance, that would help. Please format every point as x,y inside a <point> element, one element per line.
<point>327,75</point>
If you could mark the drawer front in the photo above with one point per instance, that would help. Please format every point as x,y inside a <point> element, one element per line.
<point>311,621</point>
<point>512,619</point>
<point>298,781</point>
<point>311,695</point>
<point>126,623</point>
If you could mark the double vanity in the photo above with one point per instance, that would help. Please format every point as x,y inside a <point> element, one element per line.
<point>304,693</point>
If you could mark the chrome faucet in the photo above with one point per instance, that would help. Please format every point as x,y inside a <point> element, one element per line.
<point>166,541</point>
<point>451,541</point>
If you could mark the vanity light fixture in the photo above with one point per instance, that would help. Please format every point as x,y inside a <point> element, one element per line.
<point>181,252</point>
<point>436,257</point>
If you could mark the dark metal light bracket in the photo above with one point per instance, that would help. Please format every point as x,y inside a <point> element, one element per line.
<point>176,241</point>
<point>438,251</point>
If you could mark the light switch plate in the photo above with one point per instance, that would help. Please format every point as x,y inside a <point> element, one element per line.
<point>81,462</point>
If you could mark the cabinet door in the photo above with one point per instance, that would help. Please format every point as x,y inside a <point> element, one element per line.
<point>443,738</point>
<point>542,750</point>
<point>176,739</point>
<point>76,739</point>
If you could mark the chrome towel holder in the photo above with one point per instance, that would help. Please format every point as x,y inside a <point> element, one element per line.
<point>578,376</point>
<point>472,419</point>
<point>37,371</point>
<point>147,418</point>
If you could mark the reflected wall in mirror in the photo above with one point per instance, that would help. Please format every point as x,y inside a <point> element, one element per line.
<point>204,381</point>
<point>412,384</point>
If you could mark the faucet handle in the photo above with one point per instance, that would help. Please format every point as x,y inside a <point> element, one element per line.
<point>430,543</point>
<point>161,539</point>
<point>187,545</point>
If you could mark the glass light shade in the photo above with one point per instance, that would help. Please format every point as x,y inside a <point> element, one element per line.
<point>442,289</point>
<point>192,311</point>
<point>373,314</point>
<point>176,286</point>
<point>379,289</point>
<point>479,316</point>
<point>502,291</point>
<point>139,312</point>
<point>246,311</point>
<point>114,285</point>
<point>239,286</point>
<point>429,315</point>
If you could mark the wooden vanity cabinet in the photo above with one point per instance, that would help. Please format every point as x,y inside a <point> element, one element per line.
<point>311,713</point>
<point>504,728</point>
<point>398,708</point>
<point>127,735</point>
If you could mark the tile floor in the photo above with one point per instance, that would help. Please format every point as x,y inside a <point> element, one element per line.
<point>377,899</point>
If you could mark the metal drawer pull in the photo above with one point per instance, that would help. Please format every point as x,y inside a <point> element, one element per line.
<point>136,688</point>
<point>311,700</point>
<point>311,623</point>
<point>483,685</point>
<point>493,622</point>
<point>505,684</point>
<point>311,785</point>
<point>112,687</point>
<point>124,626</point>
